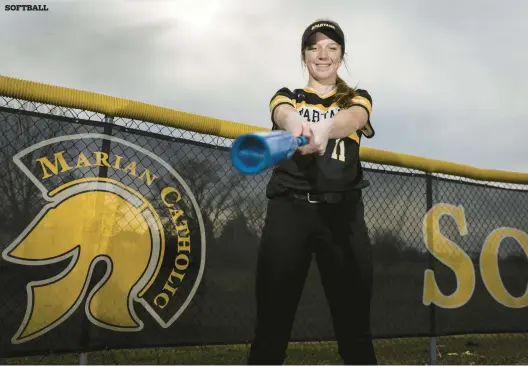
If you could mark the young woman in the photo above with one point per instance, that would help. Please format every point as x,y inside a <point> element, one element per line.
<point>315,206</point>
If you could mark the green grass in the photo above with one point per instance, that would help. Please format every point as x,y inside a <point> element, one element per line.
<point>468,350</point>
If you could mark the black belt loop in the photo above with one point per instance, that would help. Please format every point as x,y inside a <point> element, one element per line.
<point>334,197</point>
<point>310,200</point>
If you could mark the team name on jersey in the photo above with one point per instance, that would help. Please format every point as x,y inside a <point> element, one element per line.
<point>315,114</point>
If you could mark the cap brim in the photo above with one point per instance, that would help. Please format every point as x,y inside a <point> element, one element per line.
<point>330,33</point>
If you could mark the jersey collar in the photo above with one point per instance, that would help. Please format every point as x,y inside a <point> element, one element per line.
<point>313,91</point>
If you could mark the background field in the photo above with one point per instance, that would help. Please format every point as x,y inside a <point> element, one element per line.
<point>509,349</point>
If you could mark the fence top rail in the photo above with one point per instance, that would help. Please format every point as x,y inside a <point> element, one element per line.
<point>124,108</point>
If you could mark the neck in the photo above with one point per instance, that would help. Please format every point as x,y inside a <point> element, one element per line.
<point>322,87</point>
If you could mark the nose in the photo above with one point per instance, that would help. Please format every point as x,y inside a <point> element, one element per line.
<point>323,54</point>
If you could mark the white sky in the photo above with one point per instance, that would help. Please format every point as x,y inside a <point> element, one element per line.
<point>448,78</point>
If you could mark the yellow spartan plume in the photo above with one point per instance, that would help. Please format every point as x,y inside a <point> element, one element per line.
<point>89,225</point>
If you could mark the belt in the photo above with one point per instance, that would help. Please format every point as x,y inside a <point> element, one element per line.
<point>333,197</point>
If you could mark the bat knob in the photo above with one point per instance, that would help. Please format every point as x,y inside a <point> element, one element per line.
<point>302,140</point>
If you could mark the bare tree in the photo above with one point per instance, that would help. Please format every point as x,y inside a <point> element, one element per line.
<point>19,197</point>
<point>215,193</point>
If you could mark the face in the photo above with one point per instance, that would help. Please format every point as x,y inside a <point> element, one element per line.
<point>322,57</point>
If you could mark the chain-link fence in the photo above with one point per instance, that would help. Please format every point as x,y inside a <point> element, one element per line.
<point>72,180</point>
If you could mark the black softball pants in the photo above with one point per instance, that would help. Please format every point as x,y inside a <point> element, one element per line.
<point>336,233</point>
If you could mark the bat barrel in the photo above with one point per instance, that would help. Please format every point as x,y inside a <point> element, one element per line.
<point>250,154</point>
<point>254,152</point>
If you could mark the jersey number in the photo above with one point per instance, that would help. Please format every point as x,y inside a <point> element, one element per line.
<point>341,154</point>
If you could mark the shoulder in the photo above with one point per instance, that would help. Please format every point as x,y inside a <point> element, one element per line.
<point>284,95</point>
<point>363,99</point>
<point>289,93</point>
<point>363,93</point>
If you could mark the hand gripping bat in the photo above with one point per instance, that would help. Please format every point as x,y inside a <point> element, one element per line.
<point>255,152</point>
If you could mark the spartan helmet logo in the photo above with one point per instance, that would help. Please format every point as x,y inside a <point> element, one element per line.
<point>91,220</point>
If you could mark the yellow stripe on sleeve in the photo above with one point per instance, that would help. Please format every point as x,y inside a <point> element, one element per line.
<point>280,99</point>
<point>354,136</point>
<point>364,102</point>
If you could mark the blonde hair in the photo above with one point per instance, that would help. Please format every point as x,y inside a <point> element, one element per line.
<point>344,93</point>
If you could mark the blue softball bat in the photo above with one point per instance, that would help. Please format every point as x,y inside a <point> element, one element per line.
<point>253,153</point>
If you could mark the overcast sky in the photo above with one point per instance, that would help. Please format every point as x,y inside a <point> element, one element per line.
<point>448,78</point>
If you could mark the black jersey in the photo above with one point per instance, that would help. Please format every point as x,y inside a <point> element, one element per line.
<point>339,169</point>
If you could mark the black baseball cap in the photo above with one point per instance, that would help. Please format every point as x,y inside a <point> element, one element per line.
<point>330,28</point>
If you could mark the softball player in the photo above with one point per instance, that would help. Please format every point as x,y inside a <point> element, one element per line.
<point>315,207</point>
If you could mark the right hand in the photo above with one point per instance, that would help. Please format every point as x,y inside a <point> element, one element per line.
<point>298,126</point>
<point>310,147</point>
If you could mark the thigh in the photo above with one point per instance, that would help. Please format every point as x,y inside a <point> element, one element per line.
<point>344,257</point>
<point>284,255</point>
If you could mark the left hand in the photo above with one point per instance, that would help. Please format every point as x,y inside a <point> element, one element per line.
<point>321,131</point>
<point>310,147</point>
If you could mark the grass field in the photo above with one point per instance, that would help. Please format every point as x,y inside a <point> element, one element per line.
<point>509,349</point>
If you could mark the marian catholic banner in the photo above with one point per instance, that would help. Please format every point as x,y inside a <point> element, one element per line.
<point>113,237</point>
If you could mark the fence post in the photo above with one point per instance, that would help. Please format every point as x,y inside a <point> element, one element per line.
<point>432,317</point>
<point>103,173</point>
<point>103,169</point>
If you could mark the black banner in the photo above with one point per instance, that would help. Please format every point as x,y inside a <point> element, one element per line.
<point>113,237</point>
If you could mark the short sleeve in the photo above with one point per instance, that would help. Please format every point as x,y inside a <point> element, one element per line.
<point>364,100</point>
<point>282,96</point>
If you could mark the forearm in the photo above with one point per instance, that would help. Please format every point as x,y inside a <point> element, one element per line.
<point>287,118</point>
<point>346,122</point>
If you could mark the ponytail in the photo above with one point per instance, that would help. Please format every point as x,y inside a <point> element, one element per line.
<point>344,94</point>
